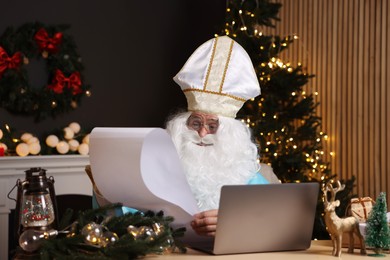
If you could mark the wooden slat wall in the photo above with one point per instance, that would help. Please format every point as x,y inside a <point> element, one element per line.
<point>346,44</point>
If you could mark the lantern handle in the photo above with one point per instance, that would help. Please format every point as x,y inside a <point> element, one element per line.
<point>54,200</point>
<point>9,193</point>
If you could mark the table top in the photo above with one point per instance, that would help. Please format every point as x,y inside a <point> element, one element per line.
<point>319,249</point>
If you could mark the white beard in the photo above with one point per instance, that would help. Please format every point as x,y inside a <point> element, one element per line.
<point>231,159</point>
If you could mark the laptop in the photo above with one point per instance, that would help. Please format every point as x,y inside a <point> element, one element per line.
<point>263,218</point>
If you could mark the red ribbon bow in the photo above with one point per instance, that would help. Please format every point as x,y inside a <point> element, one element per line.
<point>7,62</point>
<point>46,43</point>
<point>60,82</point>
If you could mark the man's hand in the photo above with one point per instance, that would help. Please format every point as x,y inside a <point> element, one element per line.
<point>205,223</point>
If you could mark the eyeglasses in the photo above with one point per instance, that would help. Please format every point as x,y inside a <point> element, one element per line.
<point>196,123</point>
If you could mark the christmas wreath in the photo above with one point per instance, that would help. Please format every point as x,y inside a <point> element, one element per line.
<point>65,87</point>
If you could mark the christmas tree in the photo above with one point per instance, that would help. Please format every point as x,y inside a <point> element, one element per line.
<point>283,118</point>
<point>377,229</point>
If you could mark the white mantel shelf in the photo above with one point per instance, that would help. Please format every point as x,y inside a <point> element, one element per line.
<point>69,176</point>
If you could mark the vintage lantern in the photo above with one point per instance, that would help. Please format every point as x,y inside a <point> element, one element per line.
<point>36,207</point>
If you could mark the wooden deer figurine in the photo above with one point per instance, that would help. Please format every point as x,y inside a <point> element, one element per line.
<point>337,226</point>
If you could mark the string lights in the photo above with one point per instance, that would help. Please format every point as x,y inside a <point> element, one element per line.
<point>279,133</point>
<point>283,118</point>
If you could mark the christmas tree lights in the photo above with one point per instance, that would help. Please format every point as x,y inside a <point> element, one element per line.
<point>283,117</point>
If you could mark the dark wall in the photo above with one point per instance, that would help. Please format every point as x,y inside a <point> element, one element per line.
<point>130,50</point>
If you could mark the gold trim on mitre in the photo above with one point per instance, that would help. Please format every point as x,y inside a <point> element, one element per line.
<point>216,71</point>
<point>213,102</point>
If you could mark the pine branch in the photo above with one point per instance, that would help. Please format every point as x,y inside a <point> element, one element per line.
<point>74,245</point>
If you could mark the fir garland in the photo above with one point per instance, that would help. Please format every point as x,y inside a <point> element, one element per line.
<point>73,245</point>
<point>65,87</point>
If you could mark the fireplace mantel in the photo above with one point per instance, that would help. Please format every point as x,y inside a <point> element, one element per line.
<point>69,178</point>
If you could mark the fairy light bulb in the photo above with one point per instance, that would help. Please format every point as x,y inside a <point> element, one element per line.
<point>31,239</point>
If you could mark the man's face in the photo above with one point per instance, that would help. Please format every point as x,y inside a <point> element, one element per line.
<point>203,123</point>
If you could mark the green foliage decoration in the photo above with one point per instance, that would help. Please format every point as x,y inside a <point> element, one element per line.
<point>377,229</point>
<point>73,245</point>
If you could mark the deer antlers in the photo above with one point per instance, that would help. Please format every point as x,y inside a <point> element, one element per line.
<point>329,188</point>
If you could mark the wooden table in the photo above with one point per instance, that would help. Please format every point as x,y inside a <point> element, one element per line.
<point>321,249</point>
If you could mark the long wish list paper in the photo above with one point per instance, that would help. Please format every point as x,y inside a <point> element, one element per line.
<point>140,168</point>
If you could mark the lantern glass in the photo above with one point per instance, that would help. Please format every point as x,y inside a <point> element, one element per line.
<point>37,210</point>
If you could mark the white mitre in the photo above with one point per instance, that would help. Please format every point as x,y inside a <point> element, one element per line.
<point>218,78</point>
